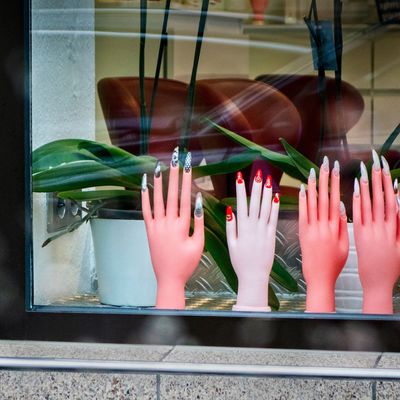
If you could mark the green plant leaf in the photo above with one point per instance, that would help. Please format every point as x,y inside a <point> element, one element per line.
<point>395,173</point>
<point>95,195</point>
<point>282,277</point>
<point>273,301</point>
<point>302,163</point>
<point>84,174</point>
<point>282,161</point>
<point>231,164</point>
<point>389,141</point>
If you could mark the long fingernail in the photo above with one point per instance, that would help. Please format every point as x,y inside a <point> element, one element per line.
<point>364,173</point>
<point>312,175</point>
<point>336,168</point>
<point>144,182</point>
<point>356,187</point>
<point>198,208</point>
<point>385,164</point>
<point>302,190</point>
<point>239,177</point>
<point>229,215</point>
<point>342,208</point>
<point>157,170</point>
<point>375,157</point>
<point>175,157</point>
<point>258,177</point>
<point>325,163</point>
<point>188,162</point>
<point>276,198</point>
<point>268,182</point>
<point>396,186</point>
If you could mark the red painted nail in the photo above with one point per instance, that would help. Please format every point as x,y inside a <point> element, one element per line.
<point>229,216</point>
<point>239,177</point>
<point>258,177</point>
<point>268,182</point>
<point>276,198</point>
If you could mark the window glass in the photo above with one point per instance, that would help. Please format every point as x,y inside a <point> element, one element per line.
<point>246,103</point>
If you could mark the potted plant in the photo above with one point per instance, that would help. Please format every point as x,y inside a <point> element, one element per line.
<point>296,165</point>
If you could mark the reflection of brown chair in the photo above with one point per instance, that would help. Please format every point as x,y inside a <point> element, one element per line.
<point>119,98</point>
<point>302,90</point>
<point>251,109</point>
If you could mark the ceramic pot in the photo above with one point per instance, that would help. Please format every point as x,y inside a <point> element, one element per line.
<point>124,270</point>
<point>348,291</point>
<point>259,7</point>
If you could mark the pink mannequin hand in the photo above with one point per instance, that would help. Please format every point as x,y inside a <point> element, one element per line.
<point>323,237</point>
<point>377,237</point>
<point>174,254</point>
<point>252,244</point>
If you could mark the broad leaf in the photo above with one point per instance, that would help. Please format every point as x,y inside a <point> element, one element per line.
<point>281,276</point>
<point>95,195</point>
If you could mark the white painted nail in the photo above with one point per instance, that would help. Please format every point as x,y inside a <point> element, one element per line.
<point>144,182</point>
<point>342,208</point>
<point>198,209</point>
<point>356,187</point>
<point>375,157</point>
<point>364,173</point>
<point>336,167</point>
<point>157,169</point>
<point>313,176</point>
<point>175,157</point>
<point>325,163</point>
<point>396,186</point>
<point>302,190</point>
<point>385,164</point>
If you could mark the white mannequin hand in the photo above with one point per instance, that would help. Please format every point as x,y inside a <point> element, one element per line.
<point>252,244</point>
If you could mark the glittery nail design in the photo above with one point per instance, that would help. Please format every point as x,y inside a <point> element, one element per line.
<point>229,216</point>
<point>258,177</point>
<point>175,157</point>
<point>268,182</point>
<point>276,197</point>
<point>157,170</point>
<point>188,162</point>
<point>239,177</point>
<point>325,163</point>
<point>356,187</point>
<point>342,208</point>
<point>198,208</point>
<point>144,182</point>
<point>312,175</point>
<point>364,173</point>
<point>302,190</point>
<point>375,157</point>
<point>385,165</point>
<point>336,168</point>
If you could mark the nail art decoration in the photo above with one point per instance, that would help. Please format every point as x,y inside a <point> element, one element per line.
<point>239,177</point>
<point>188,162</point>
<point>342,208</point>
<point>302,190</point>
<point>336,167</point>
<point>396,186</point>
<point>157,170</point>
<point>364,173</point>
<point>268,182</point>
<point>385,165</point>
<point>325,163</point>
<point>198,208</point>
<point>375,157</point>
<point>258,177</point>
<point>276,198</point>
<point>313,176</point>
<point>229,215</point>
<point>175,157</point>
<point>144,182</point>
<point>356,187</point>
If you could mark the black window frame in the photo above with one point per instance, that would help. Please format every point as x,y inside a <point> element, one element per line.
<point>307,331</point>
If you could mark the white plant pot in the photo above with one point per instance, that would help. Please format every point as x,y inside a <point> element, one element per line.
<point>348,291</point>
<point>124,270</point>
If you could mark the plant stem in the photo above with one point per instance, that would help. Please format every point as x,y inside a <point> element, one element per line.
<point>187,121</point>
<point>143,145</point>
<point>163,45</point>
